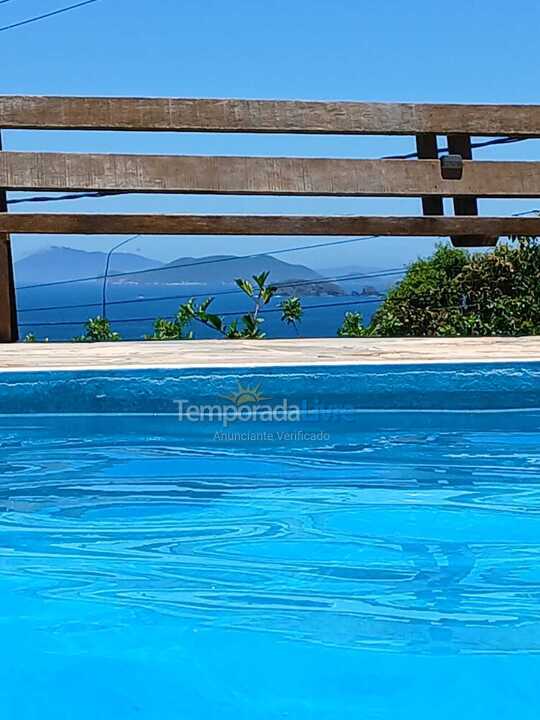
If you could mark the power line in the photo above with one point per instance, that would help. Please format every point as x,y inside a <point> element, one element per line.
<point>389,272</point>
<point>73,323</point>
<point>384,273</point>
<point>126,321</point>
<point>161,268</point>
<point>46,15</point>
<point>476,145</point>
<point>527,212</point>
<point>161,298</point>
<point>496,141</point>
<point>306,308</point>
<point>111,193</point>
<point>71,196</point>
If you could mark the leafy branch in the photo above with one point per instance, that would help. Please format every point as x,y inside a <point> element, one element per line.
<point>248,326</point>
<point>98,329</point>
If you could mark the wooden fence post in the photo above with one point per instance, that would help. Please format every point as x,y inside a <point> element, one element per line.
<point>460,144</point>
<point>8,308</point>
<point>426,145</point>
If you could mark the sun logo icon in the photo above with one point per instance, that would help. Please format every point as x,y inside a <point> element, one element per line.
<point>246,395</point>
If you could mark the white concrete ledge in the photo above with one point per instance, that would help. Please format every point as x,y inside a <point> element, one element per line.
<point>264,353</point>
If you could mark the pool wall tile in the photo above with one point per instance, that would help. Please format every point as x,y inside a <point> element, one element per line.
<point>423,387</point>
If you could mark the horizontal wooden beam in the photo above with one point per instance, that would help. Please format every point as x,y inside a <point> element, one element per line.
<point>266,116</point>
<point>263,176</point>
<point>94,224</point>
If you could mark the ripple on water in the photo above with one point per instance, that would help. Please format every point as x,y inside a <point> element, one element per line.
<point>387,540</point>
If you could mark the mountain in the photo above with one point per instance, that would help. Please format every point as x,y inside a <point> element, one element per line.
<point>302,288</point>
<point>62,263</point>
<point>217,270</point>
<point>341,270</point>
<point>361,280</point>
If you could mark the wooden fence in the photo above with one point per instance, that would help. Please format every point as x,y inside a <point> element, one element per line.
<point>429,177</point>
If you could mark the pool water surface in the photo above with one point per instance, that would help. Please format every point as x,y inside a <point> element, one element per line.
<point>380,560</point>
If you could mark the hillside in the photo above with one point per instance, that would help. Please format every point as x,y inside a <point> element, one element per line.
<point>301,288</point>
<point>62,263</point>
<point>216,270</point>
<point>360,280</point>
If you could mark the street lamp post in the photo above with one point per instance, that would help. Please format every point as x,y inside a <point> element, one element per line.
<point>106,273</point>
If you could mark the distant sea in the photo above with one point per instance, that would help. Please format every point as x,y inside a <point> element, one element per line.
<point>42,311</point>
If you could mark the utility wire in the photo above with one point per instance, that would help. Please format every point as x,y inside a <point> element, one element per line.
<point>171,317</point>
<point>110,193</point>
<point>71,196</point>
<point>46,15</point>
<point>475,145</point>
<point>306,308</point>
<point>161,298</point>
<point>389,272</point>
<point>160,268</point>
<point>527,212</point>
<point>496,141</point>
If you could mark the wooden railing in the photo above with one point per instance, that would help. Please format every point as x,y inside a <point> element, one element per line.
<point>457,176</point>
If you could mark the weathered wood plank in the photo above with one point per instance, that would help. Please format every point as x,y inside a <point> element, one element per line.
<point>8,306</point>
<point>266,116</point>
<point>91,224</point>
<point>262,176</point>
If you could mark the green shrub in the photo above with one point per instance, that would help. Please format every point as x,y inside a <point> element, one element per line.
<point>98,329</point>
<point>455,293</point>
<point>352,326</point>
<point>247,326</point>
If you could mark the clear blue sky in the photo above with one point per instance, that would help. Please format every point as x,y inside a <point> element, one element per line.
<point>389,51</point>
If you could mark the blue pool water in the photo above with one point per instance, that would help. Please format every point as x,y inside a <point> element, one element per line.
<point>376,556</point>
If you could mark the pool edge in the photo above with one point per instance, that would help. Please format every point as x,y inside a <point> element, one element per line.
<point>250,354</point>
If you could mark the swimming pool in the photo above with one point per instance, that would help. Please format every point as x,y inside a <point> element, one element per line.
<point>280,543</point>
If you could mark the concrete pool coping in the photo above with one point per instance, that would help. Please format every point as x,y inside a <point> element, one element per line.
<point>39,357</point>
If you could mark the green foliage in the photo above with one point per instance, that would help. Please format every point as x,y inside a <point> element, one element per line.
<point>245,286</point>
<point>429,299</point>
<point>98,329</point>
<point>172,329</point>
<point>352,326</point>
<point>258,290</point>
<point>455,293</point>
<point>248,326</point>
<point>32,338</point>
<point>266,292</point>
<point>291,311</point>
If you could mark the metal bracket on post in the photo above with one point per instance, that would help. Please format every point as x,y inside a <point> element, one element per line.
<point>8,308</point>
<point>459,146</point>
<point>452,167</point>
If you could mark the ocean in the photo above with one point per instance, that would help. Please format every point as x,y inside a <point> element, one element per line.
<point>47,312</point>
